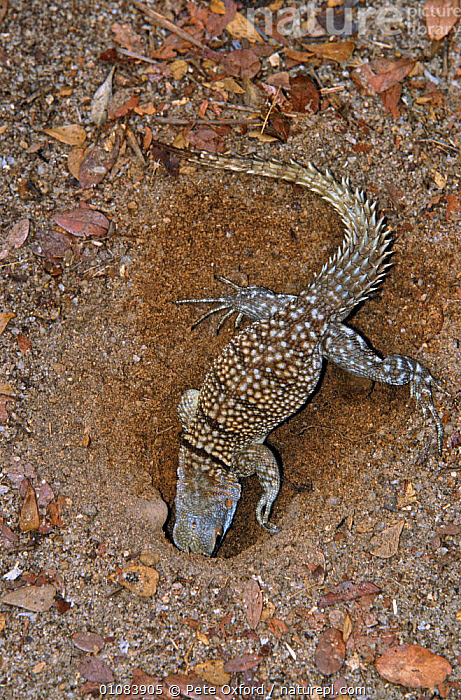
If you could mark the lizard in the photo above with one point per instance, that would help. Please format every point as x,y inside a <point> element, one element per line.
<point>268,370</point>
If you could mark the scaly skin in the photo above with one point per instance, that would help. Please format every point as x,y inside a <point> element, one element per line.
<point>269,369</point>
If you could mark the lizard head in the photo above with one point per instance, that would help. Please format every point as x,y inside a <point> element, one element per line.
<point>206,499</point>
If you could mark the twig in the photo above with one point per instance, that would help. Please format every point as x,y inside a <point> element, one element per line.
<point>135,146</point>
<point>163,22</point>
<point>137,56</point>
<point>210,122</point>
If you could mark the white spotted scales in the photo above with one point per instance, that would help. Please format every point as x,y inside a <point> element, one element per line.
<point>269,369</point>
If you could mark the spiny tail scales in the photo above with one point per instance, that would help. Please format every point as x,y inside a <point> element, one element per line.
<point>360,262</point>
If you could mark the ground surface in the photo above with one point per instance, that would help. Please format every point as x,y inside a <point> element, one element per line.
<point>92,401</point>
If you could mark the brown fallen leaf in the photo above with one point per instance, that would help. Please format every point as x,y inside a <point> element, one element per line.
<point>305,95</point>
<point>242,62</point>
<point>241,28</point>
<point>191,686</point>
<point>207,139</point>
<point>24,343</point>
<point>386,543</point>
<point>96,164</point>
<point>334,51</point>
<point>75,160</point>
<point>243,662</point>
<point>253,600</point>
<point>7,533</point>
<point>413,666</point>
<point>391,98</point>
<point>378,76</point>
<point>441,16</point>
<point>51,245</point>
<point>277,627</point>
<point>3,9</point>
<point>16,236</point>
<point>126,36</point>
<point>34,598</point>
<point>138,579</point>
<point>55,510</point>
<point>213,672</point>
<point>348,591</point>
<point>83,222</point>
<point>29,518</point>
<point>5,318</point>
<point>330,651</point>
<point>88,641</point>
<point>96,670</point>
<point>121,110</point>
<point>72,134</point>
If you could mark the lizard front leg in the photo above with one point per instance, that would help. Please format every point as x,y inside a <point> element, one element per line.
<point>346,348</point>
<point>258,459</point>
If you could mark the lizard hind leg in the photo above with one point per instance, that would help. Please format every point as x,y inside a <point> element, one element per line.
<point>260,460</point>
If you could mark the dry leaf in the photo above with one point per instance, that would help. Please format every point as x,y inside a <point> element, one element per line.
<point>55,509</point>
<point>34,598</point>
<point>241,28</point>
<point>138,579</point>
<point>277,627</point>
<point>242,62</point>
<point>413,666</point>
<point>347,627</point>
<point>378,76</point>
<point>16,236</point>
<point>72,134</point>
<point>96,670</point>
<point>192,686</point>
<point>51,245</point>
<point>96,164</point>
<point>75,160</point>
<point>264,138</point>
<point>3,9</point>
<point>391,98</point>
<point>121,110</point>
<point>5,318</point>
<point>243,663</point>
<point>213,672</point>
<point>439,179</point>
<point>348,591</point>
<point>125,35</point>
<point>441,16</point>
<point>207,139</point>
<point>101,99</point>
<point>29,518</point>
<point>330,651</point>
<point>88,641</point>
<point>305,95</point>
<point>7,532</point>
<point>229,85</point>
<point>179,68</point>
<point>83,222</point>
<point>253,599</point>
<point>386,543</point>
<point>334,51</point>
<point>24,343</point>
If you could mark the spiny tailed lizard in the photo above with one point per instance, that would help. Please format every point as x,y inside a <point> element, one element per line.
<point>269,369</point>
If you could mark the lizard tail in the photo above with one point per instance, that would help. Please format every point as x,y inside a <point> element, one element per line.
<point>361,261</point>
